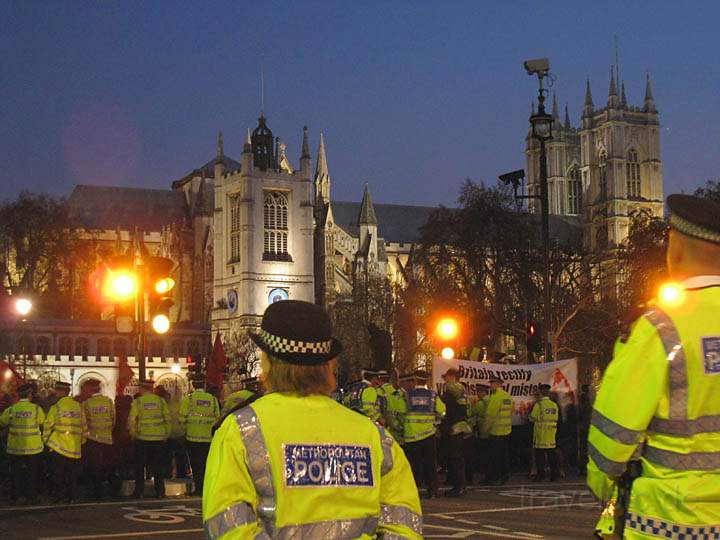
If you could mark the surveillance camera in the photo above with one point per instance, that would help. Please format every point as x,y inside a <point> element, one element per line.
<point>538,66</point>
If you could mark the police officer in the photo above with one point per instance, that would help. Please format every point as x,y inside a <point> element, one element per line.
<point>100,417</point>
<point>296,464</point>
<point>478,421</point>
<point>422,412</point>
<point>24,444</point>
<point>458,429</point>
<point>149,425</point>
<point>544,417</point>
<point>498,425</point>
<point>64,433</point>
<point>362,396</point>
<point>394,399</point>
<point>660,395</point>
<point>198,412</point>
<point>249,389</point>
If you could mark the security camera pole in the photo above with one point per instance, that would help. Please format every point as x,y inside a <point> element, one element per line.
<point>541,123</point>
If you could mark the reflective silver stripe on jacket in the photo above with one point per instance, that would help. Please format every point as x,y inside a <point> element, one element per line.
<point>614,430</point>
<point>386,441</point>
<point>676,361</point>
<point>258,464</point>
<point>608,466</point>
<point>399,515</point>
<point>685,428</point>
<point>235,516</point>
<point>692,461</point>
<point>344,529</point>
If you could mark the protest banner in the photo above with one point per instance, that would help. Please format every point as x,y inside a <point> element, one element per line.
<point>521,381</point>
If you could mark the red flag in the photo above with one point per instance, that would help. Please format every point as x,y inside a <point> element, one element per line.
<point>215,370</point>
<point>125,375</point>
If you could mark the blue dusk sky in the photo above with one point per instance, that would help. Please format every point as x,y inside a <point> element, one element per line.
<point>412,97</point>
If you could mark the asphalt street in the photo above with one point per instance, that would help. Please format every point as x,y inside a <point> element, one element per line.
<point>525,511</point>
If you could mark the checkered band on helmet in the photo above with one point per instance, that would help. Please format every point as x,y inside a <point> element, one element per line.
<point>691,229</point>
<point>285,345</point>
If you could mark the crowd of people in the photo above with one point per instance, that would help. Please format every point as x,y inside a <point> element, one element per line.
<point>53,442</point>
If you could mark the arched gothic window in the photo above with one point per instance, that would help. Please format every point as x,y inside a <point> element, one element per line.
<point>602,167</point>
<point>275,218</point>
<point>574,192</point>
<point>632,174</point>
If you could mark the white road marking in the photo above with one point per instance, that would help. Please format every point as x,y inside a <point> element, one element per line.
<point>121,535</point>
<point>495,527</point>
<point>465,533</point>
<point>106,503</point>
<point>511,509</point>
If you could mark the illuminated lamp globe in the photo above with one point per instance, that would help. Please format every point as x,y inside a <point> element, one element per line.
<point>23,306</point>
<point>671,294</point>
<point>447,353</point>
<point>161,324</point>
<point>447,328</point>
<point>164,285</point>
<point>123,285</point>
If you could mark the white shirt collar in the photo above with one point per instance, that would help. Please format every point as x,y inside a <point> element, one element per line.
<point>700,282</point>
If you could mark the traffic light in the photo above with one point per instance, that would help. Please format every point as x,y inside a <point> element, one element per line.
<point>671,294</point>
<point>533,338</point>
<point>160,293</point>
<point>447,328</point>
<point>120,287</point>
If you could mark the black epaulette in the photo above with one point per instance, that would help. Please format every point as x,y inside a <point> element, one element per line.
<point>236,408</point>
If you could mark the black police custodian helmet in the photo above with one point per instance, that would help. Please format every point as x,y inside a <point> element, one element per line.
<point>297,332</point>
<point>695,216</point>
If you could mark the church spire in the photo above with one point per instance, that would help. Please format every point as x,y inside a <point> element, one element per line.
<point>248,143</point>
<point>588,108</point>
<point>567,118</point>
<point>305,145</point>
<point>322,175</point>
<point>220,153</point>
<point>321,168</point>
<point>613,100</point>
<point>649,100</point>
<point>623,99</point>
<point>367,210</point>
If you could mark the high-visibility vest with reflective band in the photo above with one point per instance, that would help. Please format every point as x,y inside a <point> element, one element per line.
<point>24,420</point>
<point>149,418</point>
<point>478,417</point>
<point>363,397</point>
<point>498,414</point>
<point>198,412</point>
<point>422,412</point>
<point>544,416</point>
<point>307,467</point>
<point>100,417</point>
<point>395,401</point>
<point>660,400</point>
<point>458,407</point>
<point>65,429</point>
<point>235,399</point>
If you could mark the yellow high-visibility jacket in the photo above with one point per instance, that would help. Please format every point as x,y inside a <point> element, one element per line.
<point>363,397</point>
<point>234,399</point>
<point>498,414</point>
<point>100,417</point>
<point>198,413</point>
<point>421,413</point>
<point>478,417</point>
<point>24,420</point>
<point>660,402</point>
<point>395,400</point>
<point>65,430</point>
<point>544,416</point>
<point>306,467</point>
<point>149,418</point>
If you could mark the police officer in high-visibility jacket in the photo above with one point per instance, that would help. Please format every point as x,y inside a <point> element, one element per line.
<point>458,430</point>
<point>659,401</point>
<point>544,417</point>
<point>362,396</point>
<point>295,463</point>
<point>394,400</point>
<point>149,425</point>
<point>422,412</point>
<point>498,425</point>
<point>478,421</point>
<point>100,417</point>
<point>24,421</point>
<point>198,413</point>
<point>249,389</point>
<point>64,433</point>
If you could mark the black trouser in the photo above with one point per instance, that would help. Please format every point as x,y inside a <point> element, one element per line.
<point>198,456</point>
<point>456,461</point>
<point>24,472</point>
<point>176,448</point>
<point>99,461</point>
<point>422,456</point>
<point>499,462</point>
<point>149,454</point>
<point>65,475</point>
<point>549,454</point>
